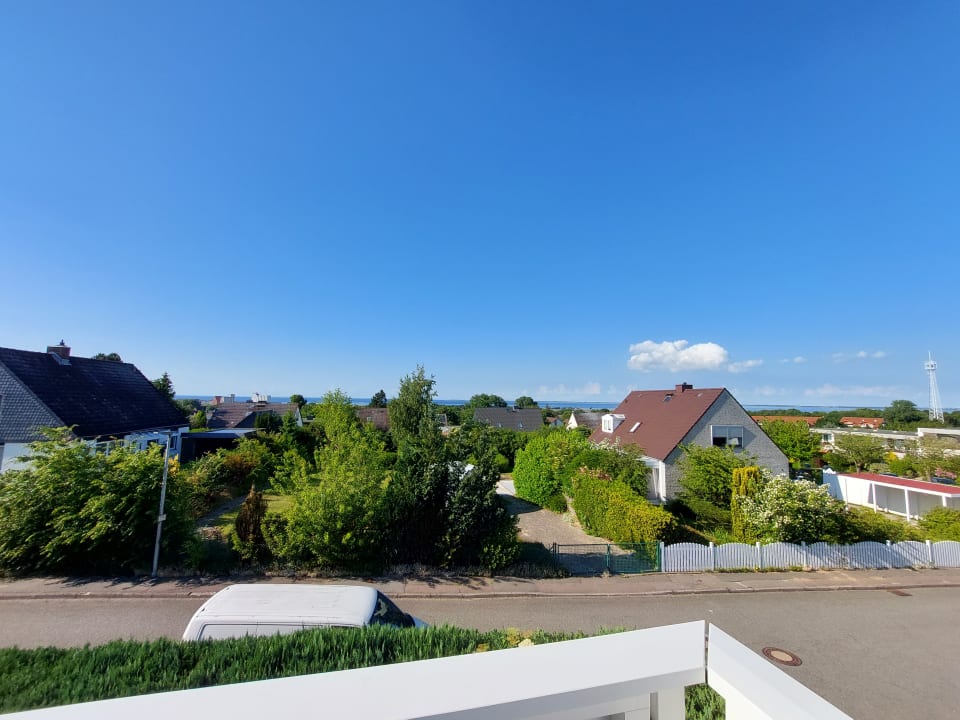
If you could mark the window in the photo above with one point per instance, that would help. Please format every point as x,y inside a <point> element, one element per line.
<point>635,426</point>
<point>727,435</point>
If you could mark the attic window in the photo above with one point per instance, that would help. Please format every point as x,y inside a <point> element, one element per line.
<point>635,426</point>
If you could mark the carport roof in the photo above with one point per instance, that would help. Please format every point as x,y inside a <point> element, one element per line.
<point>922,485</point>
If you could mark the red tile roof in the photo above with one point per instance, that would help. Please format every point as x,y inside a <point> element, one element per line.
<point>810,421</point>
<point>658,424</point>
<point>930,487</point>
<point>867,422</point>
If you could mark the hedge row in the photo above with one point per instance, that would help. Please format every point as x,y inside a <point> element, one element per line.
<point>48,677</point>
<point>52,676</point>
<point>611,509</point>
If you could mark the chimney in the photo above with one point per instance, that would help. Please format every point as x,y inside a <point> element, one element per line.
<point>683,386</point>
<point>61,352</point>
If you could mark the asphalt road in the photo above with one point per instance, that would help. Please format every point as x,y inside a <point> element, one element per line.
<point>872,653</point>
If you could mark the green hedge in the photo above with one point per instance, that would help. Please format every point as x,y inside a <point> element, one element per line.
<point>48,677</point>
<point>942,524</point>
<point>611,509</point>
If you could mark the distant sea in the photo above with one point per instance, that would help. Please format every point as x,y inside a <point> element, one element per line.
<point>582,405</point>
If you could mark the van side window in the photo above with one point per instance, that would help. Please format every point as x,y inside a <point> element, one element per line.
<point>221,631</point>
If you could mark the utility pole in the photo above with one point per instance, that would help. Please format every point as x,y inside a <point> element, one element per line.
<point>163,497</point>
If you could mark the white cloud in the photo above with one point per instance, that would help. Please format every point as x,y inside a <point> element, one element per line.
<point>798,360</point>
<point>829,390</point>
<point>767,391</point>
<point>744,365</point>
<point>677,355</point>
<point>860,355</point>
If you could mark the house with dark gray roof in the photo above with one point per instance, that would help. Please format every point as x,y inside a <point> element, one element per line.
<point>525,420</point>
<point>230,415</point>
<point>661,422</point>
<point>98,399</point>
<point>583,418</point>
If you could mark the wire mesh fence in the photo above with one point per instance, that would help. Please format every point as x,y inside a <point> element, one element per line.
<point>594,559</point>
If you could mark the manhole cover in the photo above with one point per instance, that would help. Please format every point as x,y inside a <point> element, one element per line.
<point>783,657</point>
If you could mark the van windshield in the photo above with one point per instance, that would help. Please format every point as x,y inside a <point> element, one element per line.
<point>386,613</point>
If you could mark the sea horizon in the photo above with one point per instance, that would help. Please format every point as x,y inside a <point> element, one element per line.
<point>577,404</point>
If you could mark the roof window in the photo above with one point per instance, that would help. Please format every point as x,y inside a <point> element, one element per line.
<point>635,426</point>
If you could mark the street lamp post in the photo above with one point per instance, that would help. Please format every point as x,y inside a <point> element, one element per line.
<point>163,497</point>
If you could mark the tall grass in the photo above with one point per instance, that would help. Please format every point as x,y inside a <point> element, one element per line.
<point>50,676</point>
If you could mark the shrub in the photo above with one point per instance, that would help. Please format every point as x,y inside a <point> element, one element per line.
<point>247,536</point>
<point>785,510</point>
<point>707,472</point>
<point>861,524</point>
<point>610,509</point>
<point>74,510</point>
<point>540,467</point>
<point>942,524</point>
<point>745,481</point>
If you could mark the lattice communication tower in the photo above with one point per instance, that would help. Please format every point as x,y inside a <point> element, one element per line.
<point>936,409</point>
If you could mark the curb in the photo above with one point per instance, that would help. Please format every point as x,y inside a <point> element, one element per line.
<point>122,595</point>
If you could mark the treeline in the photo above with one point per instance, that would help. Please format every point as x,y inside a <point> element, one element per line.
<point>351,497</point>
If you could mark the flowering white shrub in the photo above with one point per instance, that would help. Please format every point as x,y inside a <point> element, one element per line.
<point>785,510</point>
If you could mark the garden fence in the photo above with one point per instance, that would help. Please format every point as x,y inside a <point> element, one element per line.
<point>691,557</point>
<point>626,558</point>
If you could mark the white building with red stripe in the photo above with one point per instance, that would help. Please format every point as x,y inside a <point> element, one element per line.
<point>896,495</point>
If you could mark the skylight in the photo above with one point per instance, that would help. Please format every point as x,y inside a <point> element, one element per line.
<point>635,426</point>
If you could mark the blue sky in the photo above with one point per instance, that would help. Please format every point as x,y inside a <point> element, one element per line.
<point>567,200</point>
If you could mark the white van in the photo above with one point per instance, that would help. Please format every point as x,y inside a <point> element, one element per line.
<point>257,610</point>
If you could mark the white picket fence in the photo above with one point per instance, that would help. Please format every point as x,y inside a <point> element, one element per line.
<point>691,557</point>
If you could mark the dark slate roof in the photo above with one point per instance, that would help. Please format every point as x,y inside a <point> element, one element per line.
<point>528,419</point>
<point>244,414</point>
<point>588,419</point>
<point>659,420</point>
<point>379,417</point>
<point>99,397</point>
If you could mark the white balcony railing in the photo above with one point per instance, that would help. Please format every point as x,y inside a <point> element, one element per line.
<point>637,675</point>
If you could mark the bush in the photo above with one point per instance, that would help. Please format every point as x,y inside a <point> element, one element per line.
<point>77,511</point>
<point>784,510</point>
<point>862,524</point>
<point>610,509</point>
<point>942,524</point>
<point>541,467</point>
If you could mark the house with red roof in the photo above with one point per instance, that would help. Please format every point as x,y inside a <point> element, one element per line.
<point>661,422</point>
<point>871,423</point>
<point>889,493</point>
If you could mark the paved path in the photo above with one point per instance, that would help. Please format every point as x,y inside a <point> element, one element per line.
<point>545,527</point>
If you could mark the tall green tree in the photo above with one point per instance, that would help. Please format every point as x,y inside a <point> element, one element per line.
<point>901,413</point>
<point>525,401</point>
<point>298,400</point>
<point>706,473</point>
<point>378,399</point>
<point>860,450</point>
<point>484,400</point>
<point>165,385</point>
<point>113,357</point>
<point>413,413</point>
<point>794,439</point>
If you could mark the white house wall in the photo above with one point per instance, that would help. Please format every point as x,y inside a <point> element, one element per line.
<point>10,454</point>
